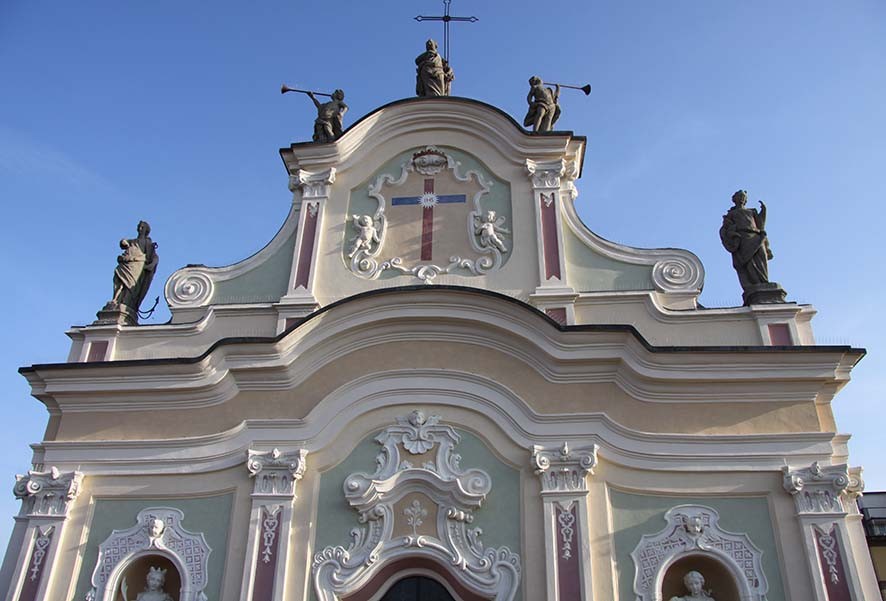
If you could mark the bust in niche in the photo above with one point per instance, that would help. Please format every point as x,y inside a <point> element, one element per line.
<point>694,583</point>
<point>154,591</point>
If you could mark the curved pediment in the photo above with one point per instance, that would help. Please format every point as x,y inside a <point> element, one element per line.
<point>443,191</point>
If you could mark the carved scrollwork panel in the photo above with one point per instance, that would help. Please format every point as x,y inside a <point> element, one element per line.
<point>454,493</point>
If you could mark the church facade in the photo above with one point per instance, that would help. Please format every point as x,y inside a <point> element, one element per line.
<point>435,375</point>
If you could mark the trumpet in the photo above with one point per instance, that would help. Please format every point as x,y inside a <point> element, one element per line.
<point>284,88</point>
<point>585,88</point>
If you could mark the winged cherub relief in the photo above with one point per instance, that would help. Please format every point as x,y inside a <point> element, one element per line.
<point>489,227</point>
<point>367,235</point>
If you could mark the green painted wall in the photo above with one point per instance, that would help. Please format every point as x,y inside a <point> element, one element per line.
<point>498,199</point>
<point>265,283</point>
<point>499,517</point>
<point>209,515</point>
<point>589,271</point>
<point>634,515</point>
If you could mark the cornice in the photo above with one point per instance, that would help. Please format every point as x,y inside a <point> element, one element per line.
<point>576,354</point>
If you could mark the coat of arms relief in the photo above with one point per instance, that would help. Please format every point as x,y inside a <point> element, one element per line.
<point>435,217</point>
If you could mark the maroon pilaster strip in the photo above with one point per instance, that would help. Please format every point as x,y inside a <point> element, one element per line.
<point>427,225</point>
<point>266,558</point>
<point>549,236</point>
<point>830,558</point>
<point>37,565</point>
<point>306,252</point>
<point>558,314</point>
<point>568,576</point>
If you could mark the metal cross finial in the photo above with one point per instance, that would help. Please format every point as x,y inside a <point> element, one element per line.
<point>446,18</point>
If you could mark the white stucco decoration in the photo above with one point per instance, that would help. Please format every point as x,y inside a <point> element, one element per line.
<point>365,259</point>
<point>158,531</point>
<point>694,530</point>
<point>438,486</point>
<point>823,489</point>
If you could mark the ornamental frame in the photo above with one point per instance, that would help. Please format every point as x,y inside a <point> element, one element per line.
<point>157,531</point>
<point>694,530</point>
<point>447,540</point>
<point>428,160</point>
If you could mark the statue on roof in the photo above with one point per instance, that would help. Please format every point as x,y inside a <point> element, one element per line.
<point>433,75</point>
<point>743,234</point>
<point>328,125</point>
<point>133,275</point>
<point>544,107</point>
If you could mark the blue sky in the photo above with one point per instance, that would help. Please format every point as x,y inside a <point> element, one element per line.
<point>112,112</point>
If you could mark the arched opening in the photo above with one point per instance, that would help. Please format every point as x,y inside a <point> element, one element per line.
<point>134,579</point>
<point>718,579</point>
<point>414,579</point>
<point>417,588</point>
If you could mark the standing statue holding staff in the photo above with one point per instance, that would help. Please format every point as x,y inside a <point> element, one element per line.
<point>328,125</point>
<point>430,73</point>
<point>743,234</point>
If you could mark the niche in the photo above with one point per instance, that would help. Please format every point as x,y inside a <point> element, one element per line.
<point>717,578</point>
<point>134,578</point>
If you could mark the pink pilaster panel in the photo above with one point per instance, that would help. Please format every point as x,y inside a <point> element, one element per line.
<point>306,252</point>
<point>568,574</point>
<point>830,557</point>
<point>549,235</point>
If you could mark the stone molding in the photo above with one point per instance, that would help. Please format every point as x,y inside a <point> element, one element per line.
<point>432,502</point>
<point>564,470</point>
<point>158,531</point>
<point>695,530</point>
<point>275,473</point>
<point>828,489</point>
<point>313,185</point>
<point>47,494</point>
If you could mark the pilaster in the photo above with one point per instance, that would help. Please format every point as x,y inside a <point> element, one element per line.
<point>275,475</point>
<point>311,191</point>
<point>563,474</point>
<point>549,180</point>
<point>834,542</point>
<point>46,498</point>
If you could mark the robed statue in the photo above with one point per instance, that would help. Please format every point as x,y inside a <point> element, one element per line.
<point>433,75</point>
<point>155,587</point>
<point>743,234</point>
<point>136,266</point>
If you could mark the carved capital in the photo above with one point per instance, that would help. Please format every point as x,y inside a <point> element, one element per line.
<point>47,494</point>
<point>275,472</point>
<point>312,184</point>
<point>818,489</point>
<point>564,470</point>
<point>546,174</point>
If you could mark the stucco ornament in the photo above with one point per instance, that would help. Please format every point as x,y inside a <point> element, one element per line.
<point>694,530</point>
<point>430,507</point>
<point>428,220</point>
<point>158,531</point>
<point>47,494</point>
<point>823,489</point>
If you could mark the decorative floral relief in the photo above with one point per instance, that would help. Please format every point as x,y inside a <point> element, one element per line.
<point>566,520</point>
<point>414,514</point>
<point>270,521</point>
<point>828,544</point>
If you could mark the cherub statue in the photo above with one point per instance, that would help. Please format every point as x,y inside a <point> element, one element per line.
<point>694,581</point>
<point>367,235</point>
<point>154,590</point>
<point>488,227</point>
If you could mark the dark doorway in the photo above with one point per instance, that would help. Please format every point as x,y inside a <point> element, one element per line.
<point>417,588</point>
